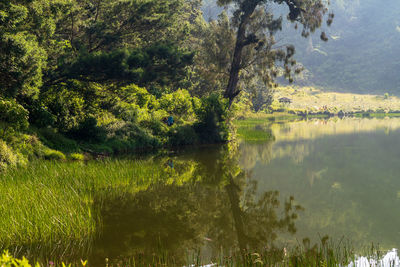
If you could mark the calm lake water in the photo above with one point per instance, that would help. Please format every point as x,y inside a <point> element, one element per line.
<point>308,179</point>
<point>344,173</point>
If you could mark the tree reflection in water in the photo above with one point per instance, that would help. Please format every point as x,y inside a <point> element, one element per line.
<point>214,212</point>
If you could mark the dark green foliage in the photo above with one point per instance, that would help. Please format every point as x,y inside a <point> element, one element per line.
<point>88,131</point>
<point>163,64</point>
<point>212,126</point>
<point>183,135</point>
<point>21,57</point>
<point>57,141</point>
<point>13,114</point>
<point>128,137</point>
<point>39,115</point>
<point>66,105</point>
<point>21,61</point>
<point>101,76</point>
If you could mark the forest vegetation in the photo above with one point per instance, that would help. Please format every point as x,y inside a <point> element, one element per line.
<point>102,77</point>
<point>114,79</point>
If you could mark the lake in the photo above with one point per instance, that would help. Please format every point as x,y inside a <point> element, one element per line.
<point>345,173</point>
<point>281,184</point>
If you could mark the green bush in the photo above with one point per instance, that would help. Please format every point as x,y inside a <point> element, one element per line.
<point>156,126</point>
<point>142,139</point>
<point>7,156</point>
<point>127,112</point>
<point>212,117</point>
<point>137,95</point>
<point>183,135</point>
<point>39,114</point>
<point>12,113</point>
<point>51,154</point>
<point>28,145</point>
<point>178,103</point>
<point>57,141</point>
<point>66,105</point>
<point>89,131</point>
<point>77,157</point>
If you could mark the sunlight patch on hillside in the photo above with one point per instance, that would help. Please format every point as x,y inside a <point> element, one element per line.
<point>315,100</point>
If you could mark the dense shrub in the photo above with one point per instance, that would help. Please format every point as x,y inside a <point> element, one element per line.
<point>51,138</point>
<point>178,103</point>
<point>51,154</point>
<point>66,105</point>
<point>89,131</point>
<point>139,138</point>
<point>127,136</point>
<point>212,116</point>
<point>12,113</point>
<point>155,126</point>
<point>137,95</point>
<point>183,135</point>
<point>77,157</point>
<point>27,145</point>
<point>7,156</point>
<point>39,115</point>
<point>126,111</point>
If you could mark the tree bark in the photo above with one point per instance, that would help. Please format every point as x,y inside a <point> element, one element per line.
<point>231,90</point>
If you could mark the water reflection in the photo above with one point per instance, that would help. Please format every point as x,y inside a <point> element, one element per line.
<point>344,172</point>
<point>214,213</point>
<point>306,180</point>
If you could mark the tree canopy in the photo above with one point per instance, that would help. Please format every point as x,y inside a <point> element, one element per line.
<point>113,70</point>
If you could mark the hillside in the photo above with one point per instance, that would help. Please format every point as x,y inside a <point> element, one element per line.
<point>361,55</point>
<point>315,100</point>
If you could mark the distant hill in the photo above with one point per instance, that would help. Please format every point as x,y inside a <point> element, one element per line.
<point>363,51</point>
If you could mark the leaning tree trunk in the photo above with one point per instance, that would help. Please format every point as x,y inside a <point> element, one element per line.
<point>242,40</point>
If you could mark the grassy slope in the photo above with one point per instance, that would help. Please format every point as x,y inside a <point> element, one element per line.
<point>315,100</point>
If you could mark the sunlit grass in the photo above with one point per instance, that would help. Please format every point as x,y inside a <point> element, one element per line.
<point>51,203</point>
<point>254,134</point>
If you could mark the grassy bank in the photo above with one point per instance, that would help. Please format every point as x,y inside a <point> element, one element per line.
<point>52,202</point>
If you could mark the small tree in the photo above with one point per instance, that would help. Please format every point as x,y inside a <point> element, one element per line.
<point>386,96</point>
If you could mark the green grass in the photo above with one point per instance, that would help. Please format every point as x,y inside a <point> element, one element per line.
<point>326,253</point>
<point>254,134</point>
<point>51,202</point>
<point>262,118</point>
